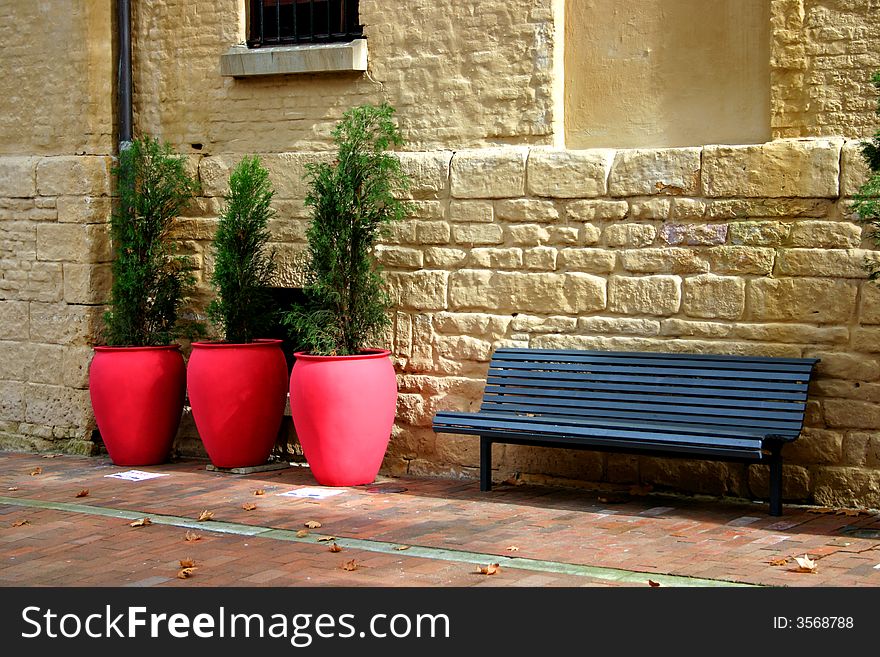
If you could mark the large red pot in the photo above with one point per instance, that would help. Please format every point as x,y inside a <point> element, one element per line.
<point>237,393</point>
<point>343,408</point>
<point>137,396</point>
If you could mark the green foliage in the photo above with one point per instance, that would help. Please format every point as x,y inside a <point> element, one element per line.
<point>352,200</point>
<point>150,280</point>
<point>867,201</point>
<point>243,265</point>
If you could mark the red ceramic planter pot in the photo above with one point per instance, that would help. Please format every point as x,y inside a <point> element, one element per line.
<point>237,393</point>
<point>137,395</point>
<point>343,408</point>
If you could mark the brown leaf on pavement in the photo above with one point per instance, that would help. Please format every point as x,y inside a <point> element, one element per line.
<point>248,506</point>
<point>302,533</point>
<point>191,536</point>
<point>187,563</point>
<point>12,488</point>
<point>821,509</point>
<point>326,538</point>
<point>185,573</point>
<point>512,548</point>
<point>143,522</point>
<point>805,564</point>
<point>350,565</point>
<point>206,515</point>
<point>335,548</point>
<point>21,523</point>
<point>653,584</point>
<point>401,548</point>
<point>259,491</point>
<point>36,471</point>
<point>312,524</point>
<point>778,562</point>
<point>51,456</point>
<point>491,569</point>
<point>83,493</point>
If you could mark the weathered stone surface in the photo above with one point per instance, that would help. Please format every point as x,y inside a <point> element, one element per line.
<point>399,256</point>
<point>687,208</point>
<point>474,324</point>
<point>854,170</point>
<point>682,328</point>
<point>783,168</point>
<point>693,234</point>
<point>564,235</point>
<point>83,209</point>
<point>654,208</point>
<point>471,212</point>
<point>534,324</point>
<point>816,446</point>
<point>739,259</point>
<point>705,477</point>
<point>428,172</point>
<point>87,284</point>
<point>597,261</point>
<point>826,234</point>
<point>55,405</point>
<point>795,482</point>
<point>638,172</point>
<point>442,257</point>
<point>623,325</point>
<point>287,172</point>
<point>645,295</point>
<point>73,242</point>
<point>489,173</point>
<point>847,487</point>
<point>511,258</point>
<point>75,366</point>
<point>431,210</point>
<point>847,366</point>
<point>14,320</point>
<point>60,323</point>
<point>798,333</point>
<point>431,232</point>
<point>76,175</point>
<point>44,362</point>
<point>12,400</point>
<point>575,464</point>
<point>832,263</point>
<point>464,347</point>
<point>801,299</point>
<point>631,235</point>
<point>528,234</point>
<point>419,290</point>
<point>569,174</point>
<point>668,260</point>
<point>869,308</point>
<point>851,414</point>
<point>540,258</point>
<point>526,210</point>
<point>532,292</point>
<point>714,296</point>
<point>758,233</point>
<point>471,234</point>
<point>866,340</point>
<point>596,210</point>
<point>590,234</point>
<point>18,176</point>
<point>764,208</point>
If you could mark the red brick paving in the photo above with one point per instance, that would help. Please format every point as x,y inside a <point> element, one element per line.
<point>651,534</point>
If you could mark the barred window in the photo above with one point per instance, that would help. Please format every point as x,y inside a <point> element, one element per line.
<point>288,22</point>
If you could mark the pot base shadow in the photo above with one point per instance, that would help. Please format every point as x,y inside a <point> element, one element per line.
<point>266,467</point>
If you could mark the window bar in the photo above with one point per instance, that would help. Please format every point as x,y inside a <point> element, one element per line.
<point>262,24</point>
<point>312,20</point>
<point>278,19</point>
<point>295,27</point>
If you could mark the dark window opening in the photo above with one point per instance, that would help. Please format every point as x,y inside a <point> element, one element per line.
<point>286,22</point>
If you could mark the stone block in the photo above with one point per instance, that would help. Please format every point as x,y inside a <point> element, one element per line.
<point>464,347</point>
<point>797,333</point>
<point>473,324</point>
<point>768,208</point>
<point>490,258</point>
<point>825,234</point>
<point>816,300</point>
<point>847,487</point>
<point>74,243</point>
<point>75,366</point>
<point>564,235</point>
<point>526,210</point>
<point>399,256</point>
<point>630,235</point>
<point>18,176</point>
<point>12,400</point>
<point>795,481</point>
<point>428,172</point>
<point>618,325</point>
<point>526,292</point>
<point>815,446</point>
<point>473,234</point>
<point>703,477</point>
<point>540,258</point>
<point>87,284</point>
<point>759,233</point>
<point>687,208</point>
<point>662,261</point>
<point>471,212</point>
<point>654,208</point>
<point>642,172</point>
<point>431,232</point>
<point>590,234</point>
<point>786,168</point>
<point>847,366</point>
<point>287,172</point>
<point>73,175</point>
<point>866,340</point>
<point>527,234</point>
<point>418,290</point>
<point>44,362</point>
<point>644,295</point>
<point>569,173</point>
<point>854,171</point>
<point>574,464</point>
<point>436,256</point>
<point>851,414</point>
<point>714,296</point>
<point>739,259</point>
<point>14,320</point>
<point>597,261</point>
<point>489,173</point>
<point>83,209</point>
<point>58,406</point>
<point>831,263</point>
<point>596,210</point>
<point>693,234</point>
<point>535,324</point>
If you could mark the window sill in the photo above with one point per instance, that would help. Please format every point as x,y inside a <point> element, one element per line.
<point>241,61</point>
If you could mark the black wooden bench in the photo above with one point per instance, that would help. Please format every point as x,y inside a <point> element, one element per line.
<point>725,408</point>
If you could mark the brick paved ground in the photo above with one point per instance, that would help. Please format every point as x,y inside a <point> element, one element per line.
<point>561,533</point>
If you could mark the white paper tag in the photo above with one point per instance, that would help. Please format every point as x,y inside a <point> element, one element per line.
<point>136,475</point>
<point>312,493</point>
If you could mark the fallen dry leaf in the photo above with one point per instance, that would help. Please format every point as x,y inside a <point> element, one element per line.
<point>513,481</point>
<point>143,522</point>
<point>401,548</point>
<point>821,509</point>
<point>248,506</point>
<point>350,565</point>
<point>206,515</point>
<point>36,471</point>
<point>187,563</point>
<point>312,524</point>
<point>335,548</point>
<point>491,569</point>
<point>302,533</point>
<point>185,573</point>
<point>259,491</point>
<point>21,523</point>
<point>653,584</point>
<point>51,456</point>
<point>512,548</point>
<point>778,562</point>
<point>326,538</point>
<point>805,564</point>
<point>848,512</point>
<point>191,536</point>
<point>83,493</point>
<point>12,488</point>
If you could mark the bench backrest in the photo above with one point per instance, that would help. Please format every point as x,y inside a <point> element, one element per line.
<point>765,394</point>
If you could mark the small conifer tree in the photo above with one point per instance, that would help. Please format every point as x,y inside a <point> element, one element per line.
<point>352,201</point>
<point>867,201</point>
<point>243,264</point>
<point>150,280</point>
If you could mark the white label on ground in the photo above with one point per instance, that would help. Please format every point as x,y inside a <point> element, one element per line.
<point>136,475</point>
<point>312,493</point>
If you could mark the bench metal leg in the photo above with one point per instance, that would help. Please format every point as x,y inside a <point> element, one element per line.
<point>775,479</point>
<point>485,464</point>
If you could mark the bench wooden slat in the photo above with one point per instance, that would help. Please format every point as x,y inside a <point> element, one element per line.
<point>506,351</point>
<point>753,376</point>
